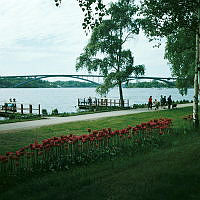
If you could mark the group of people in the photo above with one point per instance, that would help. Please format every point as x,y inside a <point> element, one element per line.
<point>163,102</point>
<point>12,100</point>
<point>11,105</point>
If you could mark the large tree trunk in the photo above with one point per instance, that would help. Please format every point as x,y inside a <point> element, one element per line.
<point>196,81</point>
<point>121,94</point>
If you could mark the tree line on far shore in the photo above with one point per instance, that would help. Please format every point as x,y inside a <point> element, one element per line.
<point>151,84</point>
<point>11,83</point>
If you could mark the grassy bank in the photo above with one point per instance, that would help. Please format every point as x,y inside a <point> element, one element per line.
<point>170,171</point>
<point>15,140</point>
<point>12,118</point>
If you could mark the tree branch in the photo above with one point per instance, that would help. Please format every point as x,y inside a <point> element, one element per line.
<point>126,37</point>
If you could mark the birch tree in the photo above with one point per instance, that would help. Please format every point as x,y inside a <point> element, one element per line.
<point>164,18</point>
<point>105,53</point>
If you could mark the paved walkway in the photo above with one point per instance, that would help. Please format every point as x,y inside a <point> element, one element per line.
<point>59,120</point>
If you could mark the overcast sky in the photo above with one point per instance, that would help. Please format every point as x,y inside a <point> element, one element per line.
<point>36,37</point>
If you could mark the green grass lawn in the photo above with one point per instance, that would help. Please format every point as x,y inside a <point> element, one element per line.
<point>12,141</point>
<point>7,121</point>
<point>171,171</point>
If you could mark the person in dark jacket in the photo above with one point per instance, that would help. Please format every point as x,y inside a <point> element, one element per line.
<point>164,102</point>
<point>169,101</point>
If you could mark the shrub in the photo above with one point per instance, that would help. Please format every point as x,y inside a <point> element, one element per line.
<point>55,112</point>
<point>44,112</point>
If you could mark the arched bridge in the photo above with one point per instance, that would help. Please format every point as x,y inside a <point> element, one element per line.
<point>87,78</point>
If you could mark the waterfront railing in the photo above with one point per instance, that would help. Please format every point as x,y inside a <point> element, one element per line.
<point>102,102</point>
<point>13,107</point>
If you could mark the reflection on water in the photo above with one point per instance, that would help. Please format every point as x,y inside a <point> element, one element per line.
<point>65,99</point>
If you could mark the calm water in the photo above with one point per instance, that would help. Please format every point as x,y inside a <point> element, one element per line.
<point>65,99</point>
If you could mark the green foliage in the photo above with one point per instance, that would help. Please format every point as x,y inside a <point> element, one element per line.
<point>105,52</point>
<point>168,172</point>
<point>66,152</point>
<point>164,17</point>
<point>30,83</point>
<point>14,140</point>
<point>12,82</point>
<point>178,22</point>
<point>75,84</point>
<point>12,118</point>
<point>55,112</point>
<point>151,84</point>
<point>44,112</point>
<point>180,52</point>
<point>93,10</point>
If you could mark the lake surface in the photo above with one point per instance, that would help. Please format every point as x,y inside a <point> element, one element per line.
<point>65,99</point>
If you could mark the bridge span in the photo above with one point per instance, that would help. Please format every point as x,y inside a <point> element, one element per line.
<point>86,78</point>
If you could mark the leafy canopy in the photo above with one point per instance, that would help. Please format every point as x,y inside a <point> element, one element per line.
<point>180,52</point>
<point>93,10</point>
<point>177,20</point>
<point>164,17</point>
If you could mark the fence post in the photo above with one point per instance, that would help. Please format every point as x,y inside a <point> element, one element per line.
<point>95,102</point>
<point>101,102</point>
<point>22,109</point>
<point>39,109</point>
<point>6,107</point>
<point>30,109</point>
<point>14,107</point>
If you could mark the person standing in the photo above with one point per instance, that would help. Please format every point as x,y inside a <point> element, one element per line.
<point>156,104</point>
<point>164,102</point>
<point>14,105</point>
<point>90,101</point>
<point>161,101</point>
<point>150,103</point>
<point>169,101</point>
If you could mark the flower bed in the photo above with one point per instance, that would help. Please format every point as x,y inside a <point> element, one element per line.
<point>64,152</point>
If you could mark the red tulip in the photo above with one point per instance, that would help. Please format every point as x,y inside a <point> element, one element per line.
<point>89,130</point>
<point>109,129</point>
<point>95,132</point>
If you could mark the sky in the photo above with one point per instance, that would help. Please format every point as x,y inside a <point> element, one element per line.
<point>36,37</point>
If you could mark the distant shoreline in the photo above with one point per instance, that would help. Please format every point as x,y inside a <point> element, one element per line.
<point>82,87</point>
<point>32,83</point>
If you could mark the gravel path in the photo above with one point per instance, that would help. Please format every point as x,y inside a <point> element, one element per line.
<point>59,120</point>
